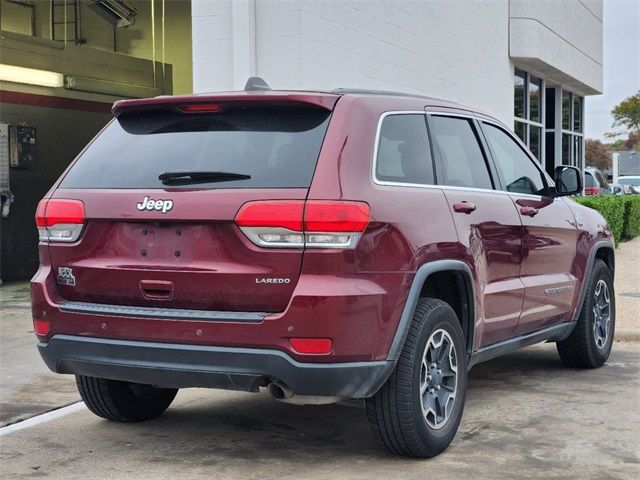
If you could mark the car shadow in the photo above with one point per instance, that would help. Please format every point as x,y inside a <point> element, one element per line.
<point>253,427</point>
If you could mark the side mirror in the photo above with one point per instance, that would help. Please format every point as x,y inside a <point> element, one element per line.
<point>568,181</point>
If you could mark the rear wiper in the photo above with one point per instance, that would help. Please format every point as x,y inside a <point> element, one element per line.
<point>190,177</point>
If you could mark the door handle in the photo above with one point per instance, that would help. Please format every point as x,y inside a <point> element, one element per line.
<point>464,207</point>
<point>529,211</point>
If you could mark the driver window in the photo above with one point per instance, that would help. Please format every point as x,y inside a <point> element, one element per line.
<point>519,173</point>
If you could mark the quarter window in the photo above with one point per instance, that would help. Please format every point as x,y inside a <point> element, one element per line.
<point>403,154</point>
<point>463,163</point>
<point>518,172</point>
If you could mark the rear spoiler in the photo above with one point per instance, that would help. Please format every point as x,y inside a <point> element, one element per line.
<point>325,101</point>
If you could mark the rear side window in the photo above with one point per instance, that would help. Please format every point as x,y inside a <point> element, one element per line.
<point>403,153</point>
<point>276,146</point>
<point>518,172</point>
<point>601,180</point>
<point>463,162</point>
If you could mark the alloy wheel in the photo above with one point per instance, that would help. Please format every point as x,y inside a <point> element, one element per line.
<point>601,314</point>
<point>438,379</point>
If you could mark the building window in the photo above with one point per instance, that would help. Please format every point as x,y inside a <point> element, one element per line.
<point>572,141</point>
<point>529,111</point>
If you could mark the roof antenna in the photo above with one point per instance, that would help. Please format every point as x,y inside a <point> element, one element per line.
<point>256,83</point>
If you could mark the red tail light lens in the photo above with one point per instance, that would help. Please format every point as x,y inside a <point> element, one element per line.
<point>591,190</point>
<point>285,213</point>
<point>313,346</point>
<point>320,216</point>
<point>60,220</point>
<point>294,223</point>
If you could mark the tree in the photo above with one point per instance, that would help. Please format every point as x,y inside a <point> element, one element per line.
<point>633,142</point>
<point>627,114</point>
<point>596,154</point>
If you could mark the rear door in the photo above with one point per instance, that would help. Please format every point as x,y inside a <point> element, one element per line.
<point>487,223</point>
<point>170,240</point>
<point>549,237</point>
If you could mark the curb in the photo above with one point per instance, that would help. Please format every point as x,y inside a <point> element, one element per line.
<point>627,335</point>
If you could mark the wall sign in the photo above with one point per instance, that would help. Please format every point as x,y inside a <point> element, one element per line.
<point>22,146</point>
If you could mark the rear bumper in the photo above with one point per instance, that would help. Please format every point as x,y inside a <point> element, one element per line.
<point>230,368</point>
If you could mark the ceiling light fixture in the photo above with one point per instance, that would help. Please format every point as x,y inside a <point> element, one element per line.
<point>31,76</point>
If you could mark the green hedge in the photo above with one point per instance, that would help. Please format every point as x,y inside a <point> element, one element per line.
<point>631,226</point>
<point>622,212</point>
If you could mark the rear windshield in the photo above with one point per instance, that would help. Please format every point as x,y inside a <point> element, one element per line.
<point>276,146</point>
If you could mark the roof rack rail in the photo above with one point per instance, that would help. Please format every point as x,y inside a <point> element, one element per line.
<point>256,83</point>
<point>380,92</point>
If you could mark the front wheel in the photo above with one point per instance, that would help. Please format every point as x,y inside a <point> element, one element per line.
<point>417,411</point>
<point>124,401</point>
<point>589,345</point>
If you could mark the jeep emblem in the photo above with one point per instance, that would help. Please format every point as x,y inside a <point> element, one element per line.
<point>158,205</point>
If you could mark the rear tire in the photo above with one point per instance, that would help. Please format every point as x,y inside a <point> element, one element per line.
<point>124,401</point>
<point>417,411</point>
<point>590,342</point>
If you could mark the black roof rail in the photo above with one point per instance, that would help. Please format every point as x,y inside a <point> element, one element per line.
<point>256,83</point>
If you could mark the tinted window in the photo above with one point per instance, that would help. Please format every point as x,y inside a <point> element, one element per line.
<point>276,146</point>
<point>518,172</point>
<point>589,181</point>
<point>463,162</point>
<point>601,180</point>
<point>403,150</point>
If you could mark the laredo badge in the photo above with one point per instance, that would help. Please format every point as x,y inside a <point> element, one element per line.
<point>65,276</point>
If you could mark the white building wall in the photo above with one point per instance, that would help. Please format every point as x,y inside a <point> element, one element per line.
<point>453,49</point>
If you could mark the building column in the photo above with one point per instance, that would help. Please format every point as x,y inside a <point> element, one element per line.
<point>243,18</point>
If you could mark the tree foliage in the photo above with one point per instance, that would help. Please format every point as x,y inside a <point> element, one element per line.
<point>597,154</point>
<point>627,114</point>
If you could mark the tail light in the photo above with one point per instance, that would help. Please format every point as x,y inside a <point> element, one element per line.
<point>591,190</point>
<point>60,220</point>
<point>297,224</point>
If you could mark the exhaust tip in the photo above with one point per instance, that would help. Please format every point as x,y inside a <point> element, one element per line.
<point>277,391</point>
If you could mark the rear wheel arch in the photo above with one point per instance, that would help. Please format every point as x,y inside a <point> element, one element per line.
<point>447,280</point>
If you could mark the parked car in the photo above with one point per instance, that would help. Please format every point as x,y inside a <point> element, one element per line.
<point>319,245</point>
<point>633,182</point>
<point>595,183</point>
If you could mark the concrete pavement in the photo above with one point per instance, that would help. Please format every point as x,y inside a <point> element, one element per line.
<point>526,416</point>
<point>627,287</point>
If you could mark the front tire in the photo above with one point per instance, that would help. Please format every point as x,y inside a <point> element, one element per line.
<point>417,411</point>
<point>124,401</point>
<point>590,342</point>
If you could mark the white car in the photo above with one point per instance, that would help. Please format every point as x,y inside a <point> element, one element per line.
<point>632,180</point>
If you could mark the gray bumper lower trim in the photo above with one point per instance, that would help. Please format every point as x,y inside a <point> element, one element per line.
<point>178,366</point>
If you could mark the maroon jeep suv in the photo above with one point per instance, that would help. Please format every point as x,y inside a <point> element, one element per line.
<point>320,245</point>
